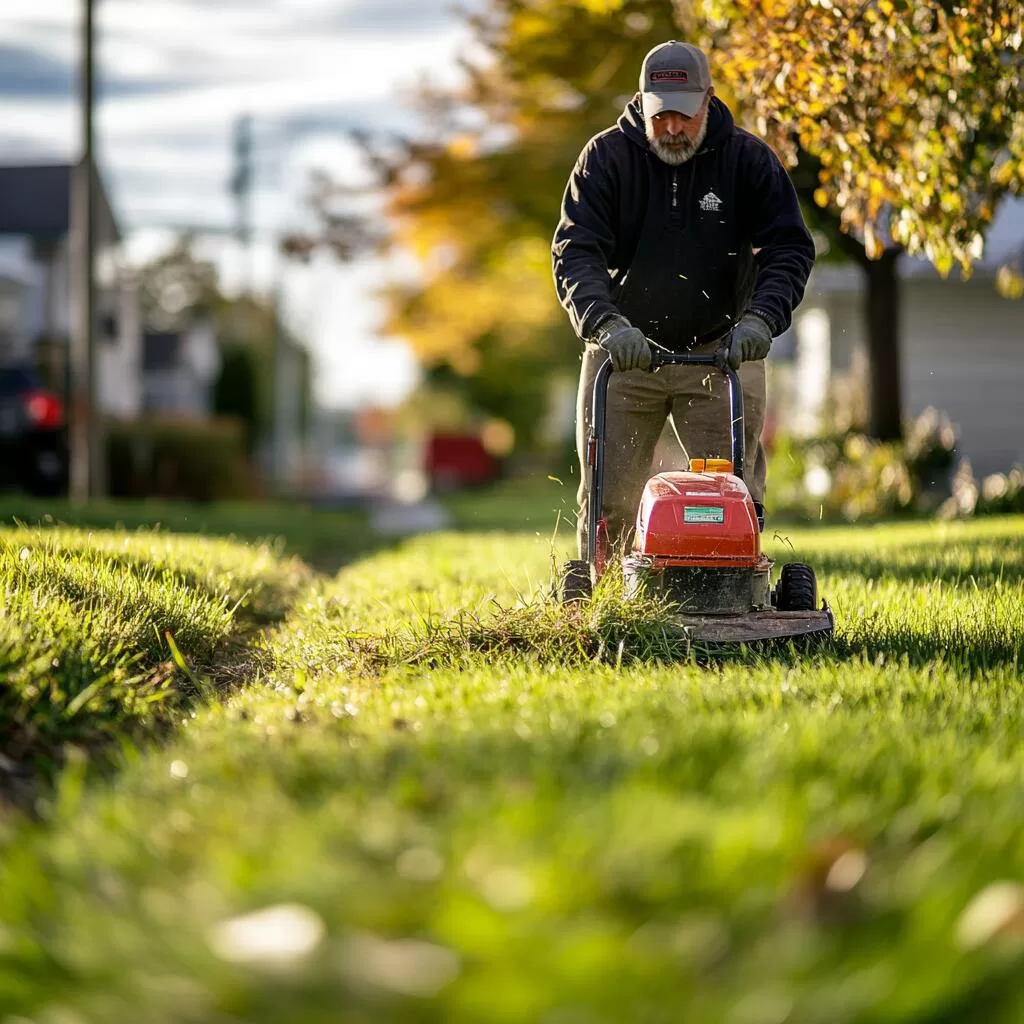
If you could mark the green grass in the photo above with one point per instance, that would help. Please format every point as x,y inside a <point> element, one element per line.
<point>445,799</point>
<point>101,633</point>
<point>326,538</point>
<point>533,504</point>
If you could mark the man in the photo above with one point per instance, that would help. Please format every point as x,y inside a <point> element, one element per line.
<point>679,230</point>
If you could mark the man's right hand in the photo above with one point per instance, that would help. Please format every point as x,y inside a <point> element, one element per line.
<point>627,346</point>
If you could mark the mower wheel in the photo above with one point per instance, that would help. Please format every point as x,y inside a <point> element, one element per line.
<point>574,580</point>
<point>797,589</point>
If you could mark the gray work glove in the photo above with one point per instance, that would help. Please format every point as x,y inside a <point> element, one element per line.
<point>751,339</point>
<point>626,344</point>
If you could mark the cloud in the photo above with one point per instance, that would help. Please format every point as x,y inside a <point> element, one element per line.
<point>25,71</point>
<point>27,148</point>
<point>388,17</point>
<point>29,73</point>
<point>157,55</point>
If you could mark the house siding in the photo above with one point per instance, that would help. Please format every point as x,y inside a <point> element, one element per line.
<point>964,355</point>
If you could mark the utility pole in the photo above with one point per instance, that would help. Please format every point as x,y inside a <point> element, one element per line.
<point>241,189</point>
<point>282,384</point>
<point>84,415</point>
<point>242,183</point>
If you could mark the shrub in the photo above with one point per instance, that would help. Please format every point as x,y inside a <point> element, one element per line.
<point>198,460</point>
<point>850,476</point>
<point>998,493</point>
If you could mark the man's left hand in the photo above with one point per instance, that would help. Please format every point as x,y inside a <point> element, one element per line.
<point>751,339</point>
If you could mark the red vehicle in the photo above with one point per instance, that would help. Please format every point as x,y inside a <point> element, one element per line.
<point>458,460</point>
<point>33,435</point>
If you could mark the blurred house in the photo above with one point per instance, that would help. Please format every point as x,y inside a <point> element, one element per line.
<point>352,450</point>
<point>13,300</point>
<point>285,456</point>
<point>35,293</point>
<point>963,348</point>
<point>179,368</point>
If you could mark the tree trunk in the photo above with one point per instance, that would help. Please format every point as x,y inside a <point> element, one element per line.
<point>882,319</point>
<point>881,307</point>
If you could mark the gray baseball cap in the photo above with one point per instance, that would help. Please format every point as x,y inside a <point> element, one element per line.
<point>675,76</point>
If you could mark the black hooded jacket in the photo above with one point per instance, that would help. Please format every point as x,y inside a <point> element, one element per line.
<point>709,240</point>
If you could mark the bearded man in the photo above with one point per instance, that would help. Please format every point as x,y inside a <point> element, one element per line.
<point>680,230</point>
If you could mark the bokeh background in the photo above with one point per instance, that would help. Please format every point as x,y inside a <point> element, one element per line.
<point>321,237</point>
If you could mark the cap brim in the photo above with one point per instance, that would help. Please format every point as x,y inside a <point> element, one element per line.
<point>688,103</point>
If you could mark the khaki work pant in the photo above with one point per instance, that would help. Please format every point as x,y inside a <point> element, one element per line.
<point>639,404</point>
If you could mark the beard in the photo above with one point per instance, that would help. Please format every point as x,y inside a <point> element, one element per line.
<point>675,149</point>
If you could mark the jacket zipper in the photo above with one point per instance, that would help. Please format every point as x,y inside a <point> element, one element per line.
<point>675,189</point>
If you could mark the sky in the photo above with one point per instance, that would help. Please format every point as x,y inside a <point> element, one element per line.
<point>173,77</point>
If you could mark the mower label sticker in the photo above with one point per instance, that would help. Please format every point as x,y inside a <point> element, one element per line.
<point>703,514</point>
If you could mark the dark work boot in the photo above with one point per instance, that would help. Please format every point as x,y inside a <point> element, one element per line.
<point>759,509</point>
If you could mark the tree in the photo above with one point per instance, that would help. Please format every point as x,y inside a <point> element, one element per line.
<point>909,116</point>
<point>176,288</point>
<point>236,390</point>
<point>338,228</point>
<point>177,285</point>
<point>476,202</point>
<point>902,123</point>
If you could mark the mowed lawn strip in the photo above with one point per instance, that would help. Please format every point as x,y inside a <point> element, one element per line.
<point>406,822</point>
<point>100,631</point>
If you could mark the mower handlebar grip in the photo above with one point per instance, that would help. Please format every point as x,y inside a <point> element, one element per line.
<point>660,357</point>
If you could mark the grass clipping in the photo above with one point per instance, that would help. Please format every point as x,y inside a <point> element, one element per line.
<point>610,628</point>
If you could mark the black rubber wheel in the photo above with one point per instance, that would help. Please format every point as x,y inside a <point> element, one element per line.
<point>574,581</point>
<point>797,589</point>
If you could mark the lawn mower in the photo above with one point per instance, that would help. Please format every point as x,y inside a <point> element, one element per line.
<point>698,540</point>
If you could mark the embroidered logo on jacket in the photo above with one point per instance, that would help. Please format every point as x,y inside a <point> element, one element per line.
<point>711,202</point>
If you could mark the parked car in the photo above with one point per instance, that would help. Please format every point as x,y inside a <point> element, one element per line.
<point>33,435</point>
<point>454,461</point>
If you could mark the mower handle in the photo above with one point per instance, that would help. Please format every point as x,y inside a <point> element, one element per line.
<point>663,357</point>
<point>596,436</point>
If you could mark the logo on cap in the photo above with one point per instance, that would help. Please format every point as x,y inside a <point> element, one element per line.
<point>678,75</point>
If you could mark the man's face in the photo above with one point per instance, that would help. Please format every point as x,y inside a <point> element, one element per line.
<point>674,137</point>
